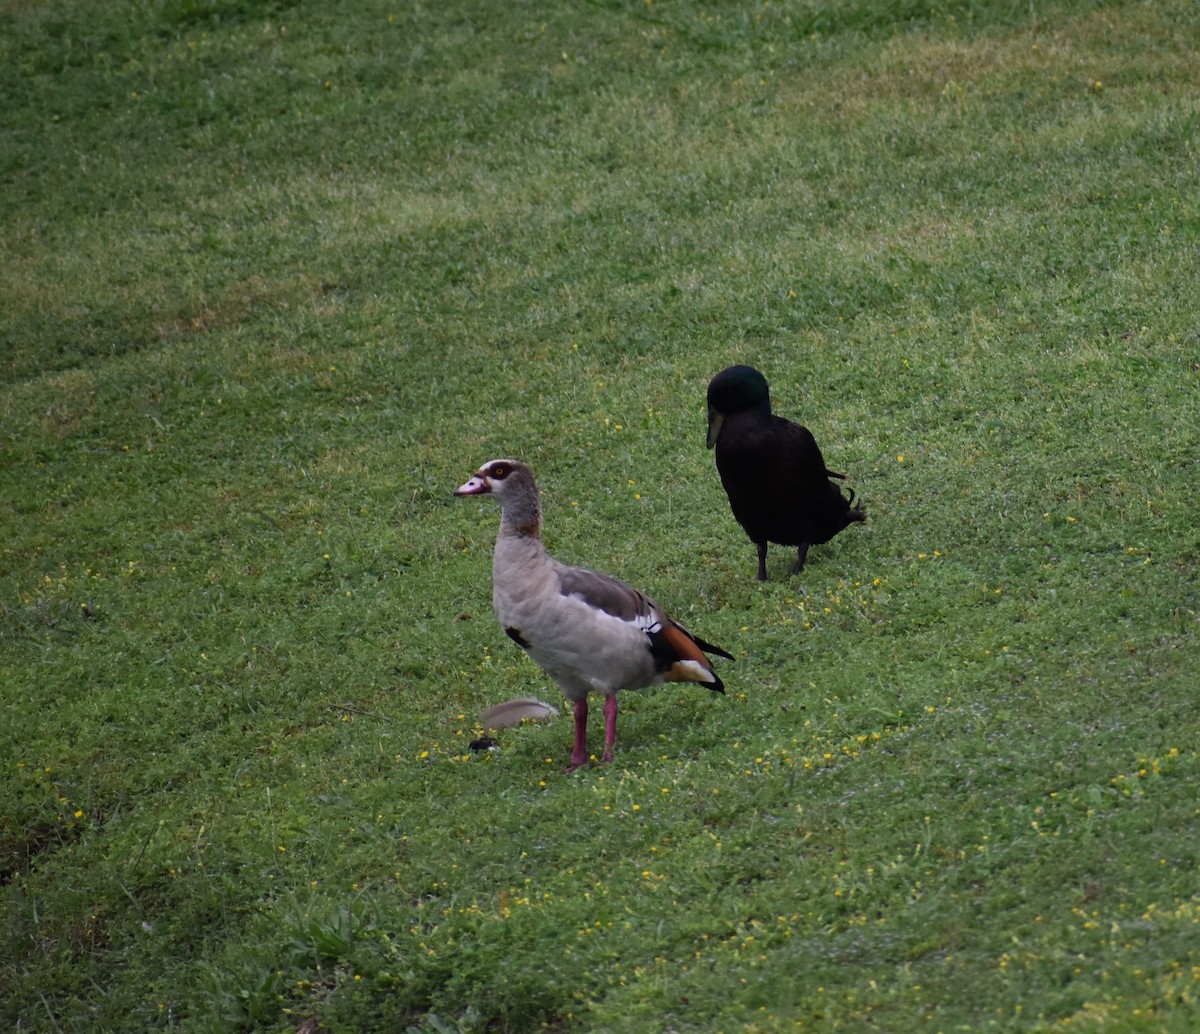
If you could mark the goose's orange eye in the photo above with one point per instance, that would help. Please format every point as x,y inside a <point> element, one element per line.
<point>500,470</point>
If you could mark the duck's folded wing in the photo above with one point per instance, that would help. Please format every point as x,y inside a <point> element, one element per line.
<point>606,593</point>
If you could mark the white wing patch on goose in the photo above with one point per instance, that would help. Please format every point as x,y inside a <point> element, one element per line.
<point>690,671</point>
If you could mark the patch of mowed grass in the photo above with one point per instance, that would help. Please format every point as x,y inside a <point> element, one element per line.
<point>280,276</point>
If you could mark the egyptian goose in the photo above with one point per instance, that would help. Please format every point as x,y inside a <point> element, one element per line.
<point>590,632</point>
<point>772,470</point>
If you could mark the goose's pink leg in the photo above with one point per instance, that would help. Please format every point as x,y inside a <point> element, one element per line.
<point>579,753</point>
<point>610,725</point>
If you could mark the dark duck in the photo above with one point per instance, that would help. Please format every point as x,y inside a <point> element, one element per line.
<point>774,474</point>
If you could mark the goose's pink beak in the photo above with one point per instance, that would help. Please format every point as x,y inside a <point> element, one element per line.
<point>476,486</point>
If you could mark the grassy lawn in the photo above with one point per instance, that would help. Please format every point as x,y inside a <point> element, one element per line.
<point>279,274</point>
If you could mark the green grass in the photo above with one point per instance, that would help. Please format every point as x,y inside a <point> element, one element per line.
<point>279,275</point>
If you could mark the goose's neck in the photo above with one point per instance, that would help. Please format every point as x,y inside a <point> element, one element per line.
<point>521,516</point>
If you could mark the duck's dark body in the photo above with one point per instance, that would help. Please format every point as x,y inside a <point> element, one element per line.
<point>773,472</point>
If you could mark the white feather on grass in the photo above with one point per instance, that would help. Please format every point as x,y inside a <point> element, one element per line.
<point>514,712</point>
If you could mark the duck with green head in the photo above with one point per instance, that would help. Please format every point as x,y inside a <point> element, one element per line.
<point>774,474</point>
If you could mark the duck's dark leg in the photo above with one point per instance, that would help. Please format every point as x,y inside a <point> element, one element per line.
<point>579,753</point>
<point>762,561</point>
<point>610,725</point>
<point>801,556</point>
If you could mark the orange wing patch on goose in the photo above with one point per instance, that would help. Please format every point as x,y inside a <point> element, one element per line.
<point>689,663</point>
